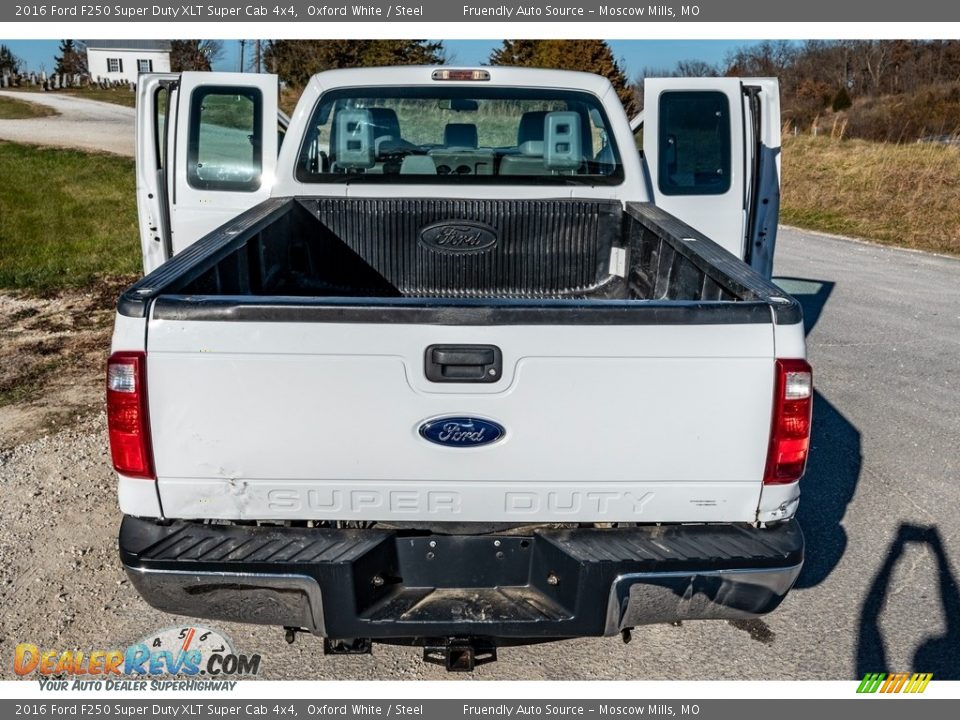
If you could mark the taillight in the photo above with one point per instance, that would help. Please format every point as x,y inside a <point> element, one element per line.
<point>790,434</point>
<point>127,418</point>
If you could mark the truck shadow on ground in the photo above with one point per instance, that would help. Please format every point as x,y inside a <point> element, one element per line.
<point>826,489</point>
<point>939,655</point>
<point>833,470</point>
<point>833,473</point>
<point>811,294</point>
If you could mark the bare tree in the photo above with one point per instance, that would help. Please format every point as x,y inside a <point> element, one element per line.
<point>696,68</point>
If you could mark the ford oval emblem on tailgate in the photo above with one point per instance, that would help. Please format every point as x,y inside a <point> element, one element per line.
<point>458,236</point>
<point>461,431</point>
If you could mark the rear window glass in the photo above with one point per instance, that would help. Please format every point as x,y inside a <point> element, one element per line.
<point>457,134</point>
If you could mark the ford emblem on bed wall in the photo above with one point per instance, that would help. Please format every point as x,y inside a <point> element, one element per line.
<point>461,432</point>
<point>458,236</point>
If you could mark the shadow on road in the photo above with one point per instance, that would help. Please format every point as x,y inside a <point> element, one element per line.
<point>938,655</point>
<point>835,457</point>
<point>826,489</point>
<point>811,294</point>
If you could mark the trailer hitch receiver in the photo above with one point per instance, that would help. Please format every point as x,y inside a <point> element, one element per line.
<point>460,654</point>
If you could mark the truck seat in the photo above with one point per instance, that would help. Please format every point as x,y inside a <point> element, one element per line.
<point>386,131</point>
<point>528,157</point>
<point>527,161</point>
<point>418,165</point>
<point>531,127</point>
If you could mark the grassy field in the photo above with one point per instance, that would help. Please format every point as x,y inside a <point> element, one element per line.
<point>906,195</point>
<point>11,109</point>
<point>117,96</point>
<point>67,218</point>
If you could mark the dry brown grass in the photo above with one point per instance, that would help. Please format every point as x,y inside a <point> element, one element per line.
<point>907,195</point>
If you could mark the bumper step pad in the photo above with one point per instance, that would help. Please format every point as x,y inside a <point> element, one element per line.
<point>386,585</point>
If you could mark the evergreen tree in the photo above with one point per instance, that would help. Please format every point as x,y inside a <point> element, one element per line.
<point>295,61</point>
<point>9,63</point>
<point>194,54</point>
<point>72,59</point>
<point>593,56</point>
<point>841,101</point>
<point>514,52</point>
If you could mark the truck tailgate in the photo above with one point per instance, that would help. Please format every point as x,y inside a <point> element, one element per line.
<point>320,420</point>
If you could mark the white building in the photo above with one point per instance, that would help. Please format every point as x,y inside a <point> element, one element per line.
<point>125,59</point>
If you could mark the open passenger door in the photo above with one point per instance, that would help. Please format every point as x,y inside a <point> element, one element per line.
<point>712,151</point>
<point>206,151</point>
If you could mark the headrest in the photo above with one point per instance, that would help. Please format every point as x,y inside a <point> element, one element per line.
<point>461,135</point>
<point>385,122</point>
<point>532,147</point>
<point>531,126</point>
<point>352,139</point>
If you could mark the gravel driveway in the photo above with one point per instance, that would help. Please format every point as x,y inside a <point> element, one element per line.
<point>879,589</point>
<point>83,124</point>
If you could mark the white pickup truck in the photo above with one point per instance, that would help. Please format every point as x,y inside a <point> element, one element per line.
<point>444,360</point>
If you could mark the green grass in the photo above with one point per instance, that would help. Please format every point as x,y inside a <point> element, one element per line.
<point>118,96</point>
<point>67,218</point>
<point>906,195</point>
<point>229,111</point>
<point>12,109</point>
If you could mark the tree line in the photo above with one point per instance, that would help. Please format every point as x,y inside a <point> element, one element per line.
<point>892,90</point>
<point>885,89</point>
<point>889,90</point>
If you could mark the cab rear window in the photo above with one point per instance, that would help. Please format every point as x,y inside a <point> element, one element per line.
<point>457,134</point>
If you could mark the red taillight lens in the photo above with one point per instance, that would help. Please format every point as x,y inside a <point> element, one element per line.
<point>790,434</point>
<point>127,418</point>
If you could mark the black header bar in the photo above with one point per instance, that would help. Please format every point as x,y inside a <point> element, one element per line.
<point>579,11</point>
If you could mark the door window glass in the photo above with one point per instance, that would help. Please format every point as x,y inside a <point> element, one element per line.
<point>694,143</point>
<point>225,146</point>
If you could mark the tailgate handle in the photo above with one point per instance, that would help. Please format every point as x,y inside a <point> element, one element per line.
<point>463,356</point>
<point>463,363</point>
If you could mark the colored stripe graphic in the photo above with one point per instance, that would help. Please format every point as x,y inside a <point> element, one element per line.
<point>918,682</point>
<point>894,682</point>
<point>871,682</point>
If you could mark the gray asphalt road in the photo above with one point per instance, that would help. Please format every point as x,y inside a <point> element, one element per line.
<point>84,124</point>
<point>878,592</point>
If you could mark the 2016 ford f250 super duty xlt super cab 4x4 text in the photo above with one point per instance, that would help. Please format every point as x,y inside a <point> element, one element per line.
<point>443,360</point>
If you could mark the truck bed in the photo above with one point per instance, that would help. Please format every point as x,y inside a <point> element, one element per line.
<point>333,251</point>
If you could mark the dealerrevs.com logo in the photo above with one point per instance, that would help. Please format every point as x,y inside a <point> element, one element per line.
<point>191,652</point>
